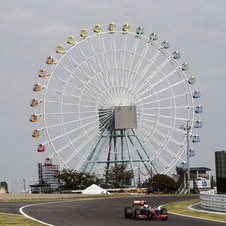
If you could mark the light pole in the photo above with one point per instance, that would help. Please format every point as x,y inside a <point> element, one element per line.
<point>24,184</point>
<point>187,129</point>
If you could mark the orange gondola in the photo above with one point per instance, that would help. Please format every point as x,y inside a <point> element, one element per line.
<point>49,60</point>
<point>33,118</point>
<point>34,102</point>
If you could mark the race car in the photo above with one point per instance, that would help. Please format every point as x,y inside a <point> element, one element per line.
<point>141,210</point>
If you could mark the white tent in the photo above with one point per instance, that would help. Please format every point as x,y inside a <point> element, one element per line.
<point>94,190</point>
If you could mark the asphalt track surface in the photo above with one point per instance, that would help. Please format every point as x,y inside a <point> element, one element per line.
<point>99,212</point>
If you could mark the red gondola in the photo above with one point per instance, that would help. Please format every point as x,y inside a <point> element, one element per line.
<point>48,162</point>
<point>41,148</point>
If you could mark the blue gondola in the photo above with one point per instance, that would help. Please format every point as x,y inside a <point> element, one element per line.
<point>195,138</point>
<point>191,152</point>
<point>198,124</point>
<point>184,165</point>
<point>198,109</point>
<point>196,94</point>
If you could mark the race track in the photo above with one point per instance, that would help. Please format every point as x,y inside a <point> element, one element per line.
<point>106,212</point>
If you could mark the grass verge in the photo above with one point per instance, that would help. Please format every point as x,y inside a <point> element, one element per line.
<point>182,208</point>
<point>6,219</point>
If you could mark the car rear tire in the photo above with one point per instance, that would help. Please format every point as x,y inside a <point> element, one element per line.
<point>163,211</point>
<point>128,212</point>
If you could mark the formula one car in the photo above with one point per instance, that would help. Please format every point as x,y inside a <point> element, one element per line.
<point>141,210</point>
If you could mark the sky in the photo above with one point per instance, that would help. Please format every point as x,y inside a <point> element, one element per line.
<point>30,31</point>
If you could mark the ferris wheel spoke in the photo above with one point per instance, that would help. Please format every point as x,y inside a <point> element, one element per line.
<point>60,92</point>
<point>160,91</point>
<point>106,61</point>
<point>141,57</point>
<point>58,102</point>
<point>97,63</point>
<point>66,123</point>
<point>75,140</point>
<point>79,149</point>
<point>82,71</point>
<point>131,62</point>
<point>145,70</point>
<point>165,77</point>
<point>168,117</point>
<point>72,74</point>
<point>162,125</point>
<point>164,99</point>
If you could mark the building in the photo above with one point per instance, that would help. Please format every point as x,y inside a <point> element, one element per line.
<point>48,180</point>
<point>200,177</point>
<point>220,160</point>
<point>3,187</point>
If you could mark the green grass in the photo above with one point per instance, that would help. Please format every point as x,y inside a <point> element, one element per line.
<point>182,208</point>
<point>6,219</point>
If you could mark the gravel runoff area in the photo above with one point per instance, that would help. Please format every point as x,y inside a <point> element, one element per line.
<point>11,196</point>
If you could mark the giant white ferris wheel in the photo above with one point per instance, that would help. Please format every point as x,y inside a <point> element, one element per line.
<point>115,96</point>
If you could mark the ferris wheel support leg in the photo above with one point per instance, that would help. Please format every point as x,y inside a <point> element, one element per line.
<point>145,151</point>
<point>109,156</point>
<point>93,152</point>
<point>100,150</point>
<point>122,150</point>
<point>115,149</point>
<point>141,158</point>
<point>130,157</point>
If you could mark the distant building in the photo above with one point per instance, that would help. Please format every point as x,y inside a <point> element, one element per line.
<point>48,181</point>
<point>220,160</point>
<point>201,177</point>
<point>3,187</point>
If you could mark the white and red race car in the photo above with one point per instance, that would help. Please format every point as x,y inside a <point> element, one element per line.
<point>141,210</point>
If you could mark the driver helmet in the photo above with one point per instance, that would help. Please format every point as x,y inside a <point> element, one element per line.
<point>146,206</point>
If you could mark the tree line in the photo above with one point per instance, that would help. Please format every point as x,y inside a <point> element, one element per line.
<point>115,177</point>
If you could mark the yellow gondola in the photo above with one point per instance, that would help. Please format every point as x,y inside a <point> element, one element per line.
<point>126,27</point>
<point>37,87</point>
<point>36,133</point>
<point>60,49</point>
<point>97,28</point>
<point>34,102</point>
<point>111,26</point>
<point>71,40</point>
<point>33,118</point>
<point>49,60</point>
<point>83,33</point>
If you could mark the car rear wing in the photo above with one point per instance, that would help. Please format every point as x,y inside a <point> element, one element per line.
<point>136,202</point>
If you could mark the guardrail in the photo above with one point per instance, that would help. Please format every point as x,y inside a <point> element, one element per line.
<point>211,201</point>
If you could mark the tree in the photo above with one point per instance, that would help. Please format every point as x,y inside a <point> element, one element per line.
<point>165,183</point>
<point>73,180</point>
<point>118,176</point>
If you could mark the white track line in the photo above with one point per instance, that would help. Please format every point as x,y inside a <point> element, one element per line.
<point>46,203</point>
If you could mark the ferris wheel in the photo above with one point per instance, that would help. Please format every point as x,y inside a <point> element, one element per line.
<point>115,96</point>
